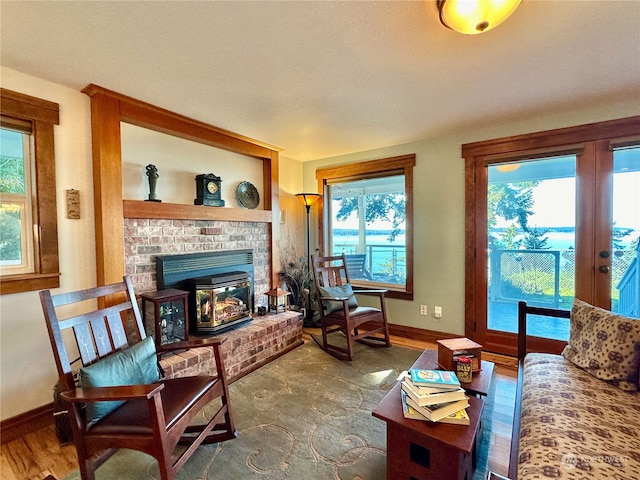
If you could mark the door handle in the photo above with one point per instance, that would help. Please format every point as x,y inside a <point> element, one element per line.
<point>604,254</point>
<point>603,269</point>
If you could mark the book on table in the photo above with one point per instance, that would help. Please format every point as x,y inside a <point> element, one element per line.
<point>461,417</point>
<point>422,398</point>
<point>438,411</point>
<point>443,379</point>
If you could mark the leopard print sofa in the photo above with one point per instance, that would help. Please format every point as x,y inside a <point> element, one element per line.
<point>578,414</point>
<point>575,426</point>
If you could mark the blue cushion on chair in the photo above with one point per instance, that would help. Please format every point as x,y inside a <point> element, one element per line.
<point>135,365</point>
<point>345,290</point>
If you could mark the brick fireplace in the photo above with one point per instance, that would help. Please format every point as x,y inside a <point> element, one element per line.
<point>147,238</point>
<point>248,346</point>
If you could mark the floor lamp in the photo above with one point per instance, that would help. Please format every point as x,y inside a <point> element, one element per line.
<point>308,199</point>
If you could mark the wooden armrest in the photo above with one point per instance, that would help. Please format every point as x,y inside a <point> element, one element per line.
<point>192,343</point>
<point>125,392</point>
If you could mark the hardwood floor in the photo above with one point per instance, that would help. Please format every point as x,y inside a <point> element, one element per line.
<point>38,454</point>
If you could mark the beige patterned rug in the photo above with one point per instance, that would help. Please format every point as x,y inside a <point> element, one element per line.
<point>304,416</point>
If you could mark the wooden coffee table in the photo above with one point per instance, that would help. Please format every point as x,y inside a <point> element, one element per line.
<point>421,450</point>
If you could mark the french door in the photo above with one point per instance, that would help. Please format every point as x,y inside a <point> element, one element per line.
<point>551,217</point>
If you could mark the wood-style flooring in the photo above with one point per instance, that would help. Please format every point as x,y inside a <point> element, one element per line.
<point>38,454</point>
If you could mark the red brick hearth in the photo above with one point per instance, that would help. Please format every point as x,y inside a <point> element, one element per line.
<point>246,348</point>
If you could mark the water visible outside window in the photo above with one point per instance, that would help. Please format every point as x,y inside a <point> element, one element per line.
<point>531,240</point>
<point>531,243</point>
<point>367,224</point>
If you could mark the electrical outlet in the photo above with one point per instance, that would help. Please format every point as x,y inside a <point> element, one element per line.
<point>424,310</point>
<point>437,312</point>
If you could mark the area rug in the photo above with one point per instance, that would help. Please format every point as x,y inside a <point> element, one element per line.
<point>304,416</point>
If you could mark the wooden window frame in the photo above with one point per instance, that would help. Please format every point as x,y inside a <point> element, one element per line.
<point>43,115</point>
<point>400,165</point>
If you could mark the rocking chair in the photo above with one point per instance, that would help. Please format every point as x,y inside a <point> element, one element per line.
<point>143,412</point>
<point>340,312</point>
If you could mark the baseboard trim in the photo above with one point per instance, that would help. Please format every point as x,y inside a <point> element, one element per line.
<point>420,334</point>
<point>27,422</point>
<point>432,336</point>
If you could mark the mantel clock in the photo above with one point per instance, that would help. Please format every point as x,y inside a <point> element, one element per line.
<point>208,191</point>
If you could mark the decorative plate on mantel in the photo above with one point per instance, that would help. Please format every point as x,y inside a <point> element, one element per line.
<point>247,195</point>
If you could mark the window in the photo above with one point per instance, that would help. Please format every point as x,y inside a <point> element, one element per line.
<point>16,238</point>
<point>368,209</point>
<point>28,228</point>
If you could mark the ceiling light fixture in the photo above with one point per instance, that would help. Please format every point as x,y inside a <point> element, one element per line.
<point>508,167</point>
<point>475,16</point>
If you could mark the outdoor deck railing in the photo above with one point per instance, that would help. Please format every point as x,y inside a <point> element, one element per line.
<point>629,288</point>
<point>544,277</point>
<point>384,262</point>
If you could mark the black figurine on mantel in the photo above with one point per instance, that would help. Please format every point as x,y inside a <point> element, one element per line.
<point>152,173</point>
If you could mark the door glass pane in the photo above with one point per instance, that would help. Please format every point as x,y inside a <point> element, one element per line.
<point>367,224</point>
<point>625,264</point>
<point>531,242</point>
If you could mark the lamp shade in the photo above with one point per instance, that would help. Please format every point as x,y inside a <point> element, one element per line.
<point>475,16</point>
<point>308,199</point>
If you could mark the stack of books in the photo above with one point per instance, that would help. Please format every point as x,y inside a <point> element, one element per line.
<point>434,395</point>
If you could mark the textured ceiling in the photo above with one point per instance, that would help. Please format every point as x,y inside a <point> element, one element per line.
<point>320,79</point>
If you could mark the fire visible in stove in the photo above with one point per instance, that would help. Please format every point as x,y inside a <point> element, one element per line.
<point>221,301</point>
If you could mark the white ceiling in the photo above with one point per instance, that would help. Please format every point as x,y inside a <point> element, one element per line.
<point>320,79</point>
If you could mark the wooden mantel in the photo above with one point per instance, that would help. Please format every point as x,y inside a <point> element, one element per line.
<point>108,110</point>
<point>142,209</point>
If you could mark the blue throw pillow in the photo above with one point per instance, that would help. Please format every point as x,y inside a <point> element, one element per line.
<point>135,365</point>
<point>345,290</point>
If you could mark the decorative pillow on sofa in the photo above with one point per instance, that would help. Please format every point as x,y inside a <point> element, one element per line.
<point>605,344</point>
<point>339,291</point>
<point>135,365</point>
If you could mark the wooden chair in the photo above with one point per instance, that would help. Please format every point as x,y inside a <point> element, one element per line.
<point>357,266</point>
<point>339,311</point>
<point>154,418</point>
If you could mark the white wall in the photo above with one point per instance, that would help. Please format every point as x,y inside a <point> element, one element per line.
<point>27,370</point>
<point>439,263</point>
<point>178,162</point>
<point>293,217</point>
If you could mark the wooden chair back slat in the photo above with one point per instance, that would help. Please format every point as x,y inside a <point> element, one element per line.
<point>118,335</point>
<point>96,314</point>
<point>86,346</point>
<point>88,294</point>
<point>101,337</point>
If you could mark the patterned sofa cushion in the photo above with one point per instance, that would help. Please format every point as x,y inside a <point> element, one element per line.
<point>574,426</point>
<point>605,344</point>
